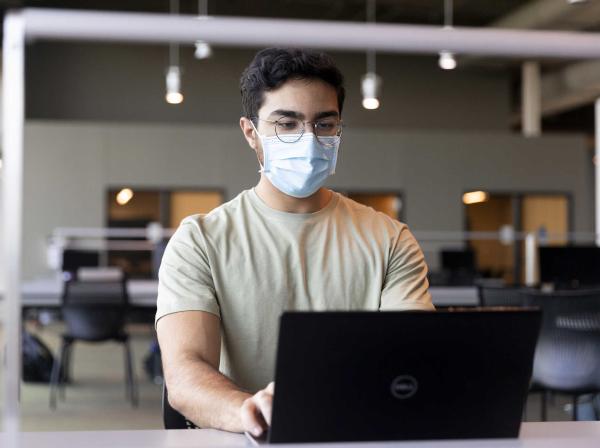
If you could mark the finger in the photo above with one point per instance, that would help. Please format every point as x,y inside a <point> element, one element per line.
<point>251,418</point>
<point>264,402</point>
<point>271,387</point>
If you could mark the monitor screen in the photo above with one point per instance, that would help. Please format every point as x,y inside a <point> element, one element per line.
<point>75,259</point>
<point>570,266</point>
<point>458,260</point>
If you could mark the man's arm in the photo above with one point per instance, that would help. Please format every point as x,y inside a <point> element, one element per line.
<point>406,286</point>
<point>190,344</point>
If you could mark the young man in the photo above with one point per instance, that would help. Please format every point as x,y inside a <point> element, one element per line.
<point>287,244</point>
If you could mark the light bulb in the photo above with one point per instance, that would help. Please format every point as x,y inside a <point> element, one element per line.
<point>203,50</point>
<point>173,85</point>
<point>124,196</point>
<point>174,98</point>
<point>370,88</point>
<point>447,60</point>
<point>475,197</point>
<point>370,103</point>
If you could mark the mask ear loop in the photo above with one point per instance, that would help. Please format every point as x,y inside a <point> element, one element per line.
<point>262,168</point>
<point>336,149</point>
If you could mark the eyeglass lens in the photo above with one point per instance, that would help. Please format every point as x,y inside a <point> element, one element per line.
<point>290,130</point>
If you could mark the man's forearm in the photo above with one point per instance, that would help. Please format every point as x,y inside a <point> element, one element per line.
<point>205,396</point>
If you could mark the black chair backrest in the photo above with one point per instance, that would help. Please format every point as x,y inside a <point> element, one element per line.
<point>500,296</point>
<point>171,418</point>
<point>95,310</point>
<point>567,355</point>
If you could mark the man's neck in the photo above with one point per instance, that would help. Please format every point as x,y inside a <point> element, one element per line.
<point>277,200</point>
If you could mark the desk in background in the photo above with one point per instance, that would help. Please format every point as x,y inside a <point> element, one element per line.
<point>46,293</point>
<point>533,435</point>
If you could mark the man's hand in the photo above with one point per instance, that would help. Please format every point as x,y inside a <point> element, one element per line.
<point>256,411</point>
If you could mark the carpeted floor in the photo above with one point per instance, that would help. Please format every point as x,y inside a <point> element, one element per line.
<point>95,400</point>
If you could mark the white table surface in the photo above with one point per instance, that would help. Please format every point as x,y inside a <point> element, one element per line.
<point>47,292</point>
<point>533,435</point>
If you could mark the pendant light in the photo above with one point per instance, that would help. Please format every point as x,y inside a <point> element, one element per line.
<point>202,50</point>
<point>173,93</point>
<point>371,82</point>
<point>447,61</point>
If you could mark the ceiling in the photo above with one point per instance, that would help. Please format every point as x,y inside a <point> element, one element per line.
<point>467,12</point>
<point>524,14</point>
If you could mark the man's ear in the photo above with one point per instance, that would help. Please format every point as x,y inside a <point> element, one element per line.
<point>249,132</point>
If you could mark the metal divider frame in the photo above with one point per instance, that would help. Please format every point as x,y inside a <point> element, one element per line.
<point>48,24</point>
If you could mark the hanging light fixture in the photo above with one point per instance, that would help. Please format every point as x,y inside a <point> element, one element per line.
<point>203,50</point>
<point>173,84</point>
<point>371,82</point>
<point>447,61</point>
<point>173,77</point>
<point>370,88</point>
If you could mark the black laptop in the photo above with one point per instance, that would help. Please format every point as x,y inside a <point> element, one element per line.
<point>372,376</point>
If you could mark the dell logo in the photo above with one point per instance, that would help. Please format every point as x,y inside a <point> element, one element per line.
<point>404,386</point>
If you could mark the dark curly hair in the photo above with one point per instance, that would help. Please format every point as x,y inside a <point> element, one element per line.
<point>272,67</point>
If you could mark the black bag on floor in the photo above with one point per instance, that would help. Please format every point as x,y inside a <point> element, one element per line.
<point>37,359</point>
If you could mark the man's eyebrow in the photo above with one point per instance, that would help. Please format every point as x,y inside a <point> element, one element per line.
<point>301,116</point>
<point>287,113</point>
<point>329,113</point>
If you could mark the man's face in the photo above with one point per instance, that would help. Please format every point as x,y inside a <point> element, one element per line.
<point>305,99</point>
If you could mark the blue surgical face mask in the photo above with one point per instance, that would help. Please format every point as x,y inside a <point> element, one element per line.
<point>299,169</point>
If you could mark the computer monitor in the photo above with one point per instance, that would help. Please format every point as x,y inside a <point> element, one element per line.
<point>459,267</point>
<point>74,259</point>
<point>458,260</point>
<point>569,267</point>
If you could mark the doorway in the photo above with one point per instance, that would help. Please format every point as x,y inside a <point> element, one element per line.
<point>547,214</point>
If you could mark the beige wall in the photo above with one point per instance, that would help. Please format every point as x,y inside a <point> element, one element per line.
<point>69,166</point>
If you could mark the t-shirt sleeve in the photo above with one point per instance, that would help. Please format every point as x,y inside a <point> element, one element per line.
<point>406,287</point>
<point>185,281</point>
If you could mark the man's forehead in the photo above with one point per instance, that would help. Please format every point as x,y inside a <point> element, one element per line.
<point>302,98</point>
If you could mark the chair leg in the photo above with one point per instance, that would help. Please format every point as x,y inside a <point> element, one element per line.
<point>544,405</point>
<point>131,387</point>
<point>575,410</point>
<point>55,375</point>
<point>127,373</point>
<point>64,372</point>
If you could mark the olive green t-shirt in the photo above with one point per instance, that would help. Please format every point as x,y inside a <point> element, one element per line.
<point>247,263</point>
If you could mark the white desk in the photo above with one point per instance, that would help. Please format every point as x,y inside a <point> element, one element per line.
<point>46,292</point>
<point>454,295</point>
<point>533,435</point>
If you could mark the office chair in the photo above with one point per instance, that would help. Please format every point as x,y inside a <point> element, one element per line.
<point>567,357</point>
<point>171,418</point>
<point>93,311</point>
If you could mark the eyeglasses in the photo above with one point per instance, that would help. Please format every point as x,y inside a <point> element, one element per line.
<point>290,130</point>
